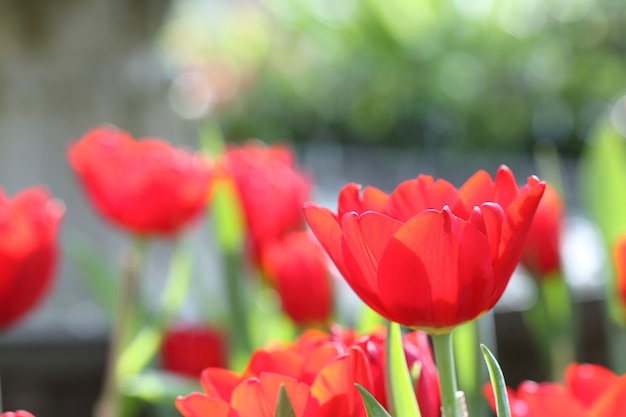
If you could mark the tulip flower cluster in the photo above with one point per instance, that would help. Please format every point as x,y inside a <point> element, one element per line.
<point>428,256</point>
<point>318,371</point>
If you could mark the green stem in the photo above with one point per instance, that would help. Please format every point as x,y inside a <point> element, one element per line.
<point>237,302</point>
<point>109,402</point>
<point>444,358</point>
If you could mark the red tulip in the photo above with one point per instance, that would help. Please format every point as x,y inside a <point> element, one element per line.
<point>271,189</point>
<point>589,391</point>
<point>296,266</point>
<point>28,250</point>
<point>331,393</point>
<point>428,255</point>
<point>329,364</point>
<point>18,413</point>
<point>541,254</point>
<point>189,349</point>
<point>145,186</point>
<point>619,260</point>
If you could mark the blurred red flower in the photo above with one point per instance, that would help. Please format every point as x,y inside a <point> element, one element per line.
<point>619,260</point>
<point>541,253</point>
<point>296,266</point>
<point>18,413</point>
<point>28,250</point>
<point>271,189</point>
<point>318,367</point>
<point>188,349</point>
<point>589,391</point>
<point>145,186</point>
<point>428,255</point>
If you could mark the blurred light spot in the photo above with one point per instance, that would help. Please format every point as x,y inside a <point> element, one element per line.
<point>85,320</point>
<point>479,9</point>
<point>569,10</point>
<point>583,257</point>
<point>549,64</point>
<point>332,12</point>
<point>521,18</point>
<point>462,77</point>
<point>552,119</point>
<point>618,115</point>
<point>191,95</point>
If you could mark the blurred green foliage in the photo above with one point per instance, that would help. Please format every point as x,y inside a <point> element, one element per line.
<point>462,75</point>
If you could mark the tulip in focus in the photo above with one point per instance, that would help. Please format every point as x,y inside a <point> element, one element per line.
<point>28,250</point>
<point>588,391</point>
<point>271,190</point>
<point>188,349</point>
<point>296,266</point>
<point>541,254</point>
<point>427,255</point>
<point>145,186</point>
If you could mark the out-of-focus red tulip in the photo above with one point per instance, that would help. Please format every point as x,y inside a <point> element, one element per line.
<point>18,413</point>
<point>329,364</point>
<point>190,348</point>
<point>619,260</point>
<point>541,254</point>
<point>296,266</point>
<point>28,250</point>
<point>144,186</point>
<point>589,391</point>
<point>428,255</point>
<point>271,189</point>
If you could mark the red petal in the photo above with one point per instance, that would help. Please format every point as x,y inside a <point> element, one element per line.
<point>257,397</point>
<point>613,402</point>
<point>414,196</point>
<point>432,269</point>
<point>549,400</point>
<point>326,229</point>
<point>588,382</point>
<point>219,383</point>
<point>199,405</point>
<point>519,216</point>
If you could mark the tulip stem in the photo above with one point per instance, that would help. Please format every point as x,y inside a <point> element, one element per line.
<point>237,302</point>
<point>109,403</point>
<point>444,357</point>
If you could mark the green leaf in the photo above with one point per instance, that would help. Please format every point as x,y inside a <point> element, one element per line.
<point>177,282</point>
<point>140,351</point>
<point>157,386</point>
<point>228,218</point>
<point>398,384</point>
<point>283,404</point>
<point>497,383</point>
<point>372,407</point>
<point>603,178</point>
<point>98,276</point>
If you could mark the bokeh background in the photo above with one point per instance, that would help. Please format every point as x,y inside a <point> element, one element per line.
<point>366,91</point>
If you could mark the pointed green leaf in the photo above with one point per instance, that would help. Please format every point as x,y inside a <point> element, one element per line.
<point>140,351</point>
<point>497,383</point>
<point>177,282</point>
<point>400,391</point>
<point>228,218</point>
<point>98,276</point>
<point>283,404</point>
<point>372,407</point>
